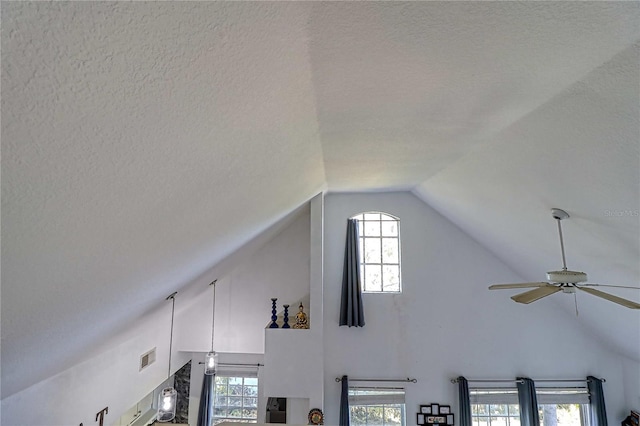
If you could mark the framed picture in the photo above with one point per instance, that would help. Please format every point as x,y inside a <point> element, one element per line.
<point>420,419</point>
<point>425,409</point>
<point>450,419</point>
<point>435,409</point>
<point>430,420</point>
<point>445,409</point>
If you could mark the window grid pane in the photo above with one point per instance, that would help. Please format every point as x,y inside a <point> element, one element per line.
<point>379,252</point>
<point>377,415</point>
<point>376,406</point>
<point>495,415</point>
<point>509,414</point>
<point>235,399</point>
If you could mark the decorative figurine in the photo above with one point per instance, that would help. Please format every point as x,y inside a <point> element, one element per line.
<point>274,317</point>
<point>286,317</point>
<point>301,318</point>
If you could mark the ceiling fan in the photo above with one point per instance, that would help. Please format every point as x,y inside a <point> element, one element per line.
<point>565,280</point>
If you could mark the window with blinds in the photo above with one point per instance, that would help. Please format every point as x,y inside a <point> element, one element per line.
<point>557,406</point>
<point>376,406</point>
<point>494,406</point>
<point>563,406</point>
<point>236,395</point>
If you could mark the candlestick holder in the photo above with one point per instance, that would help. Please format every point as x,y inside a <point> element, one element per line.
<point>286,316</point>
<point>274,317</point>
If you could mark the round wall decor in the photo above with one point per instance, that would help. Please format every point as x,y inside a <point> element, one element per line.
<point>316,417</point>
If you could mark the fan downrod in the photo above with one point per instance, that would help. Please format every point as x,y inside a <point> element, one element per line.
<point>558,215</point>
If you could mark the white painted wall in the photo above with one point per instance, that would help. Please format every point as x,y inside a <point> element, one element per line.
<point>631,376</point>
<point>243,296</point>
<point>294,362</point>
<point>446,323</point>
<point>110,378</point>
<point>297,411</point>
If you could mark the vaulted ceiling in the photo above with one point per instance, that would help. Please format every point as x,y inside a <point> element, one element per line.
<point>144,142</point>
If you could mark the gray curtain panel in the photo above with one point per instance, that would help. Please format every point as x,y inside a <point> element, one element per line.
<point>464,402</point>
<point>596,398</point>
<point>344,402</point>
<point>351,311</point>
<point>528,402</point>
<point>205,410</point>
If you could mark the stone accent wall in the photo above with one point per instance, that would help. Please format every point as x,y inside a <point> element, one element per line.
<point>182,384</point>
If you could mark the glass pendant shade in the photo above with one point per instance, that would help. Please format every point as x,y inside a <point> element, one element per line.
<point>167,404</point>
<point>210,363</point>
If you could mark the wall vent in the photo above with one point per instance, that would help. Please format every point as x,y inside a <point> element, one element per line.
<point>148,358</point>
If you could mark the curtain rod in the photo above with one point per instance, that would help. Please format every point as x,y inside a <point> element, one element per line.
<point>375,387</point>
<point>223,364</point>
<point>339,379</point>
<point>521,381</point>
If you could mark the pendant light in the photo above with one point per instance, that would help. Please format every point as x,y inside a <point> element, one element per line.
<point>211,359</point>
<point>168,396</point>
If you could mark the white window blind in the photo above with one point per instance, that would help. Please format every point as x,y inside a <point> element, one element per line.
<point>545,395</point>
<point>375,396</point>
<point>237,371</point>
<point>562,395</point>
<point>493,395</point>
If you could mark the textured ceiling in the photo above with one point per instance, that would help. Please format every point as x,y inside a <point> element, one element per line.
<point>408,88</point>
<point>143,142</point>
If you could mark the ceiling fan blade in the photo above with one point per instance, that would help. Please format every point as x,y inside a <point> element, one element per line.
<point>517,285</point>
<point>538,293</point>
<point>607,285</point>
<point>611,298</point>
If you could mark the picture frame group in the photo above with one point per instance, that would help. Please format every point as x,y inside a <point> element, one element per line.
<point>435,415</point>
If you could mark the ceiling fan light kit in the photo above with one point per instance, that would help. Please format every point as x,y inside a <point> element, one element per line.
<point>564,280</point>
<point>569,277</point>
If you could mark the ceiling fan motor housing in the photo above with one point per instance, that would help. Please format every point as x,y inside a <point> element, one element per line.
<point>566,277</point>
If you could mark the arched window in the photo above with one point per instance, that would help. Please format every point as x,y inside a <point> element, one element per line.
<point>379,252</point>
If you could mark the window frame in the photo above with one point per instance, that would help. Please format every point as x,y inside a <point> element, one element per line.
<point>394,398</point>
<point>508,396</point>
<point>234,375</point>
<point>583,408</point>
<point>362,244</point>
<point>494,396</point>
<point>560,395</point>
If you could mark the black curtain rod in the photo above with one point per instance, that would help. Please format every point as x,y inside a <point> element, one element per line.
<point>520,381</point>
<point>222,364</point>
<point>339,379</point>
<point>375,387</point>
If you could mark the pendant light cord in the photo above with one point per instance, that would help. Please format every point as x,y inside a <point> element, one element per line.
<point>173,308</point>
<point>213,313</point>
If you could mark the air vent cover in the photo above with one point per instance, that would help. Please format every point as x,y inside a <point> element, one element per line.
<point>147,359</point>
